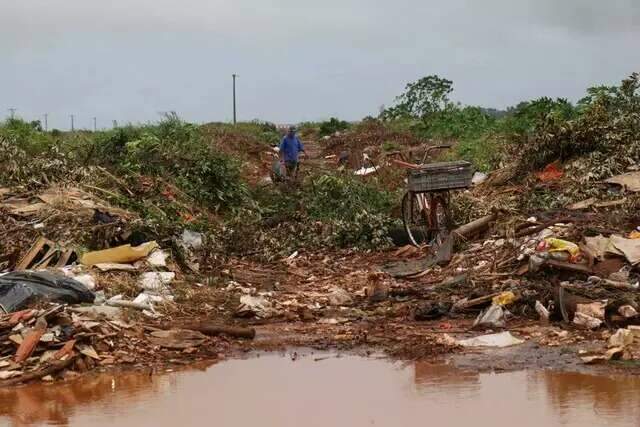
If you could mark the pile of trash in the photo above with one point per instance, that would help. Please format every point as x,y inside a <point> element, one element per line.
<point>64,310</point>
<point>70,218</point>
<point>61,341</point>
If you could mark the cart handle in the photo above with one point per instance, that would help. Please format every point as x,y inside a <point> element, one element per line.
<point>433,147</point>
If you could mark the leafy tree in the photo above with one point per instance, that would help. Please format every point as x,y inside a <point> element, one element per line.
<point>36,125</point>
<point>614,98</point>
<point>598,93</point>
<point>421,98</point>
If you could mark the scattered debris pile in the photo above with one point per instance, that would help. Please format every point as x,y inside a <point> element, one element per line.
<point>63,341</point>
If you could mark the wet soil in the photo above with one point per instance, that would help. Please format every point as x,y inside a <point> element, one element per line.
<point>307,388</point>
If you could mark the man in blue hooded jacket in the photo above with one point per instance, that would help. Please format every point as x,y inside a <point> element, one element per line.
<point>290,149</point>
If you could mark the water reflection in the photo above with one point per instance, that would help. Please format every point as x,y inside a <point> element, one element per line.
<point>607,395</point>
<point>429,377</point>
<point>348,391</point>
<point>570,395</point>
<point>55,404</point>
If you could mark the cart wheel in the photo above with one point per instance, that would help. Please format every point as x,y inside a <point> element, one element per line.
<point>415,215</point>
<point>426,218</point>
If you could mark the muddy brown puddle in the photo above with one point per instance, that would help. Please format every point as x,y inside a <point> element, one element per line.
<point>327,390</point>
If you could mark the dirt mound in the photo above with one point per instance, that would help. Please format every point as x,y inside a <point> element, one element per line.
<point>370,137</point>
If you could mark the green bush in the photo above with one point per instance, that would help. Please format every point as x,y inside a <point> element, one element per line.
<point>171,149</point>
<point>607,122</point>
<point>526,116</point>
<point>359,214</point>
<point>175,149</point>
<point>26,136</point>
<point>332,126</point>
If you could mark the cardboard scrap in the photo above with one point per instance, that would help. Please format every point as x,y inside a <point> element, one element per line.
<point>629,247</point>
<point>599,246</point>
<point>629,181</point>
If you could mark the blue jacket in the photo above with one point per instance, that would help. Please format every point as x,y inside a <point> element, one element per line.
<point>290,148</point>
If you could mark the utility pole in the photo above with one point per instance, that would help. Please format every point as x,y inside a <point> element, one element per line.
<point>95,126</point>
<point>115,124</point>
<point>234,98</point>
<point>46,122</point>
<point>13,112</point>
<point>72,117</point>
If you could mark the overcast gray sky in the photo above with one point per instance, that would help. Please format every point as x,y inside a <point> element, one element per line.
<point>300,60</point>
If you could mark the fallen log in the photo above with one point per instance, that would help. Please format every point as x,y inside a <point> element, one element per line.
<point>445,251</point>
<point>213,329</point>
<point>473,227</point>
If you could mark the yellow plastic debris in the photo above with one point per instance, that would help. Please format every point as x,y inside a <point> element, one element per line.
<point>120,255</point>
<point>559,245</point>
<point>504,298</point>
<point>634,234</point>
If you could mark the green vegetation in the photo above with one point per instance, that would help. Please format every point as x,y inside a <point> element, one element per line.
<point>421,99</point>
<point>328,211</point>
<point>171,150</point>
<point>605,125</point>
<point>426,110</point>
<point>332,126</point>
<point>176,174</point>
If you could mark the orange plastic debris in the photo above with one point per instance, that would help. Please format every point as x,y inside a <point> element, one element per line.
<point>31,341</point>
<point>551,172</point>
<point>634,234</point>
<point>21,316</point>
<point>66,350</point>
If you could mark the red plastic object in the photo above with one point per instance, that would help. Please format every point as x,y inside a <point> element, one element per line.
<point>551,172</point>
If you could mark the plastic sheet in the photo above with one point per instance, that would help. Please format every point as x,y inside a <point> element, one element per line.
<point>19,290</point>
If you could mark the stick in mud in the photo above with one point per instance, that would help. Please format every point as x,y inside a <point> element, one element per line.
<point>213,329</point>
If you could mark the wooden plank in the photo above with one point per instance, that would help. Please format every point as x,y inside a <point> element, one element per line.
<point>463,305</point>
<point>46,259</point>
<point>27,260</point>
<point>64,257</point>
